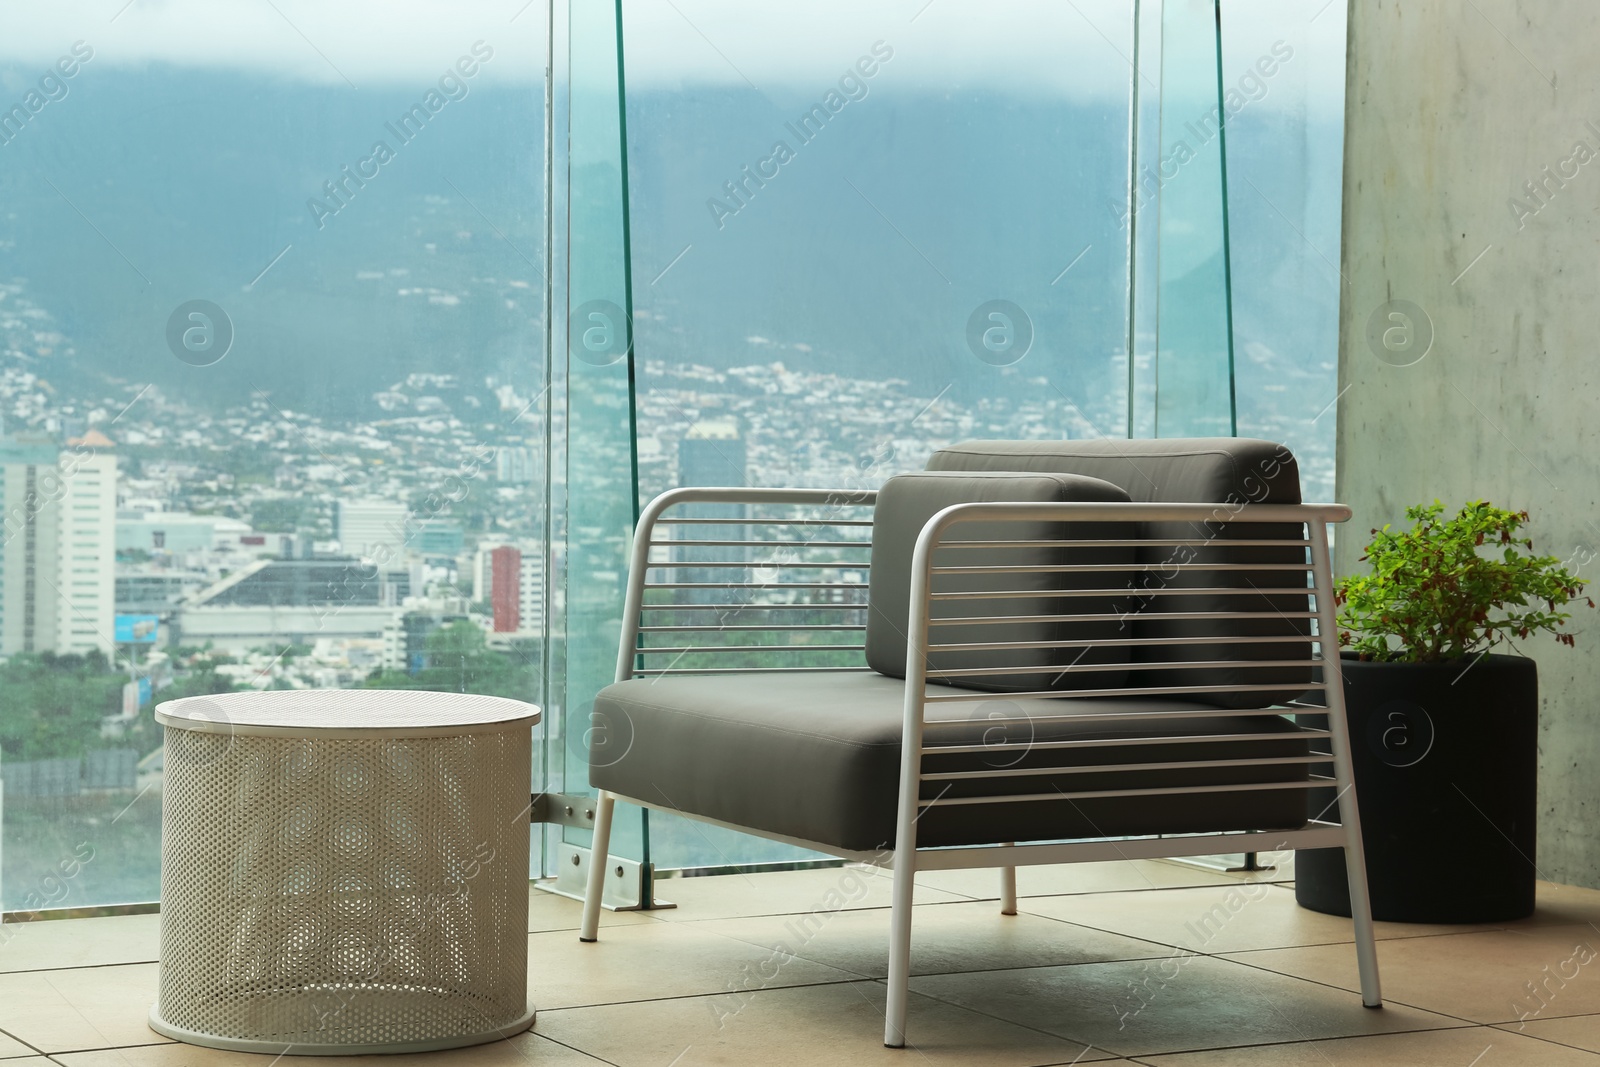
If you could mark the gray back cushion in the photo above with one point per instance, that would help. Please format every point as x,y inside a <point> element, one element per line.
<point>906,503</point>
<point>1230,472</point>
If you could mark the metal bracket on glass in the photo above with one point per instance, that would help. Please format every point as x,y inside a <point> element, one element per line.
<point>563,809</point>
<point>628,885</point>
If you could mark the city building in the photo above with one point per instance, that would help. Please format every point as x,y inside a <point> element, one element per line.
<point>147,590</point>
<point>272,602</point>
<point>362,526</point>
<point>436,539</point>
<point>57,591</point>
<point>511,578</point>
<point>711,454</point>
<point>175,532</point>
<point>405,635</point>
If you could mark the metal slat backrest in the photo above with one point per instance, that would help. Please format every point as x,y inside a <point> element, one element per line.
<point>1094,745</point>
<point>741,580</point>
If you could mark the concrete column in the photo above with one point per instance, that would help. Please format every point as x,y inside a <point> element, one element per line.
<point>1469,350</point>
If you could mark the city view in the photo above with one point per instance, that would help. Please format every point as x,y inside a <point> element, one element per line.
<point>352,469</point>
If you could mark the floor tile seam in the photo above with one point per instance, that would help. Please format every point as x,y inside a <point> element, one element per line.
<point>564,1044</point>
<point>1128,959</point>
<point>1011,1022</point>
<point>87,1021</point>
<point>741,941</point>
<point>1303,1041</point>
<point>79,967</point>
<point>1503,1028</point>
<point>798,956</point>
<point>1171,945</point>
<point>1149,1057</point>
<point>1021,966</point>
<point>1387,998</point>
<point>972,970</point>
<point>794,914</point>
<point>912,1045</point>
<point>1276,948</point>
<point>704,996</point>
<point>870,981</point>
<point>603,925</point>
<point>36,1051</point>
<point>158,1042</point>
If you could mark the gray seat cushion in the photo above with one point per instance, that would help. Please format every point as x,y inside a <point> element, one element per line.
<point>817,757</point>
<point>1230,472</point>
<point>906,503</point>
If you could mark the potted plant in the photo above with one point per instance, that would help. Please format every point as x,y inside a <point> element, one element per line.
<point>1443,729</point>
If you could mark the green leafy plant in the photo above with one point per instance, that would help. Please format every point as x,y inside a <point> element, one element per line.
<point>1453,587</point>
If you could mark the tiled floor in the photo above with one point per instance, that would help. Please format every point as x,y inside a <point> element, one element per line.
<point>1111,963</point>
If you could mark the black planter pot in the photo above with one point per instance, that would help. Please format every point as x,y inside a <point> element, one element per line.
<point>1446,769</point>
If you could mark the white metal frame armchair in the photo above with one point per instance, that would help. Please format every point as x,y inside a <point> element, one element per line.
<point>1178,744</point>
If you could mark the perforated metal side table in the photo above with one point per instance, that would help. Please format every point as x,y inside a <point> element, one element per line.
<point>344,872</point>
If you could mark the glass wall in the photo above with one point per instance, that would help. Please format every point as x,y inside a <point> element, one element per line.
<point>272,383</point>
<point>860,232</point>
<point>863,231</point>
<point>283,403</point>
<point>1284,66</point>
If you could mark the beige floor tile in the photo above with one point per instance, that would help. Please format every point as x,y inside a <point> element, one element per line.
<point>81,942</point>
<point>822,1025</point>
<point>1063,878</point>
<point>1483,977</point>
<point>728,896</point>
<point>11,1048</point>
<point>1170,1005</point>
<point>632,963</point>
<point>1579,1031</point>
<point>1476,1046</point>
<point>1562,905</point>
<point>546,911</point>
<point>96,1007</point>
<point>29,1061</point>
<point>1223,918</point>
<point>519,1051</point>
<point>970,936</point>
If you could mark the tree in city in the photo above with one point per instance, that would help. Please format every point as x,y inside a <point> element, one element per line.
<point>458,659</point>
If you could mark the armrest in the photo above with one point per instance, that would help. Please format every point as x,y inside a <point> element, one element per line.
<point>817,519</point>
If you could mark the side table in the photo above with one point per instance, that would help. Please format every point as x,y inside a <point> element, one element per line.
<point>344,871</point>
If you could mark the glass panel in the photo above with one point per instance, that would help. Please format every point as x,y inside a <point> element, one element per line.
<point>1194,343</point>
<point>863,232</point>
<point>272,314</point>
<point>600,502</point>
<point>1285,162</point>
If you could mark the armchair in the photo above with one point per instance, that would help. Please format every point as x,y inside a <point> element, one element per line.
<point>1068,651</point>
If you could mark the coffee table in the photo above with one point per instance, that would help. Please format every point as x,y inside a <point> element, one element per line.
<point>344,871</point>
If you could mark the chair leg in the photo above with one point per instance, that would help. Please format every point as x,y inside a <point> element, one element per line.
<point>598,858</point>
<point>1355,864</point>
<point>1008,889</point>
<point>905,879</point>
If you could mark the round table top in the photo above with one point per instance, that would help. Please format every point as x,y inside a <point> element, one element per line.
<point>349,711</point>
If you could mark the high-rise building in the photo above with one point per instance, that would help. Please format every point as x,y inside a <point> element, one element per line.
<point>57,582</point>
<point>712,453</point>
<point>511,578</point>
<point>362,526</point>
<point>505,588</point>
